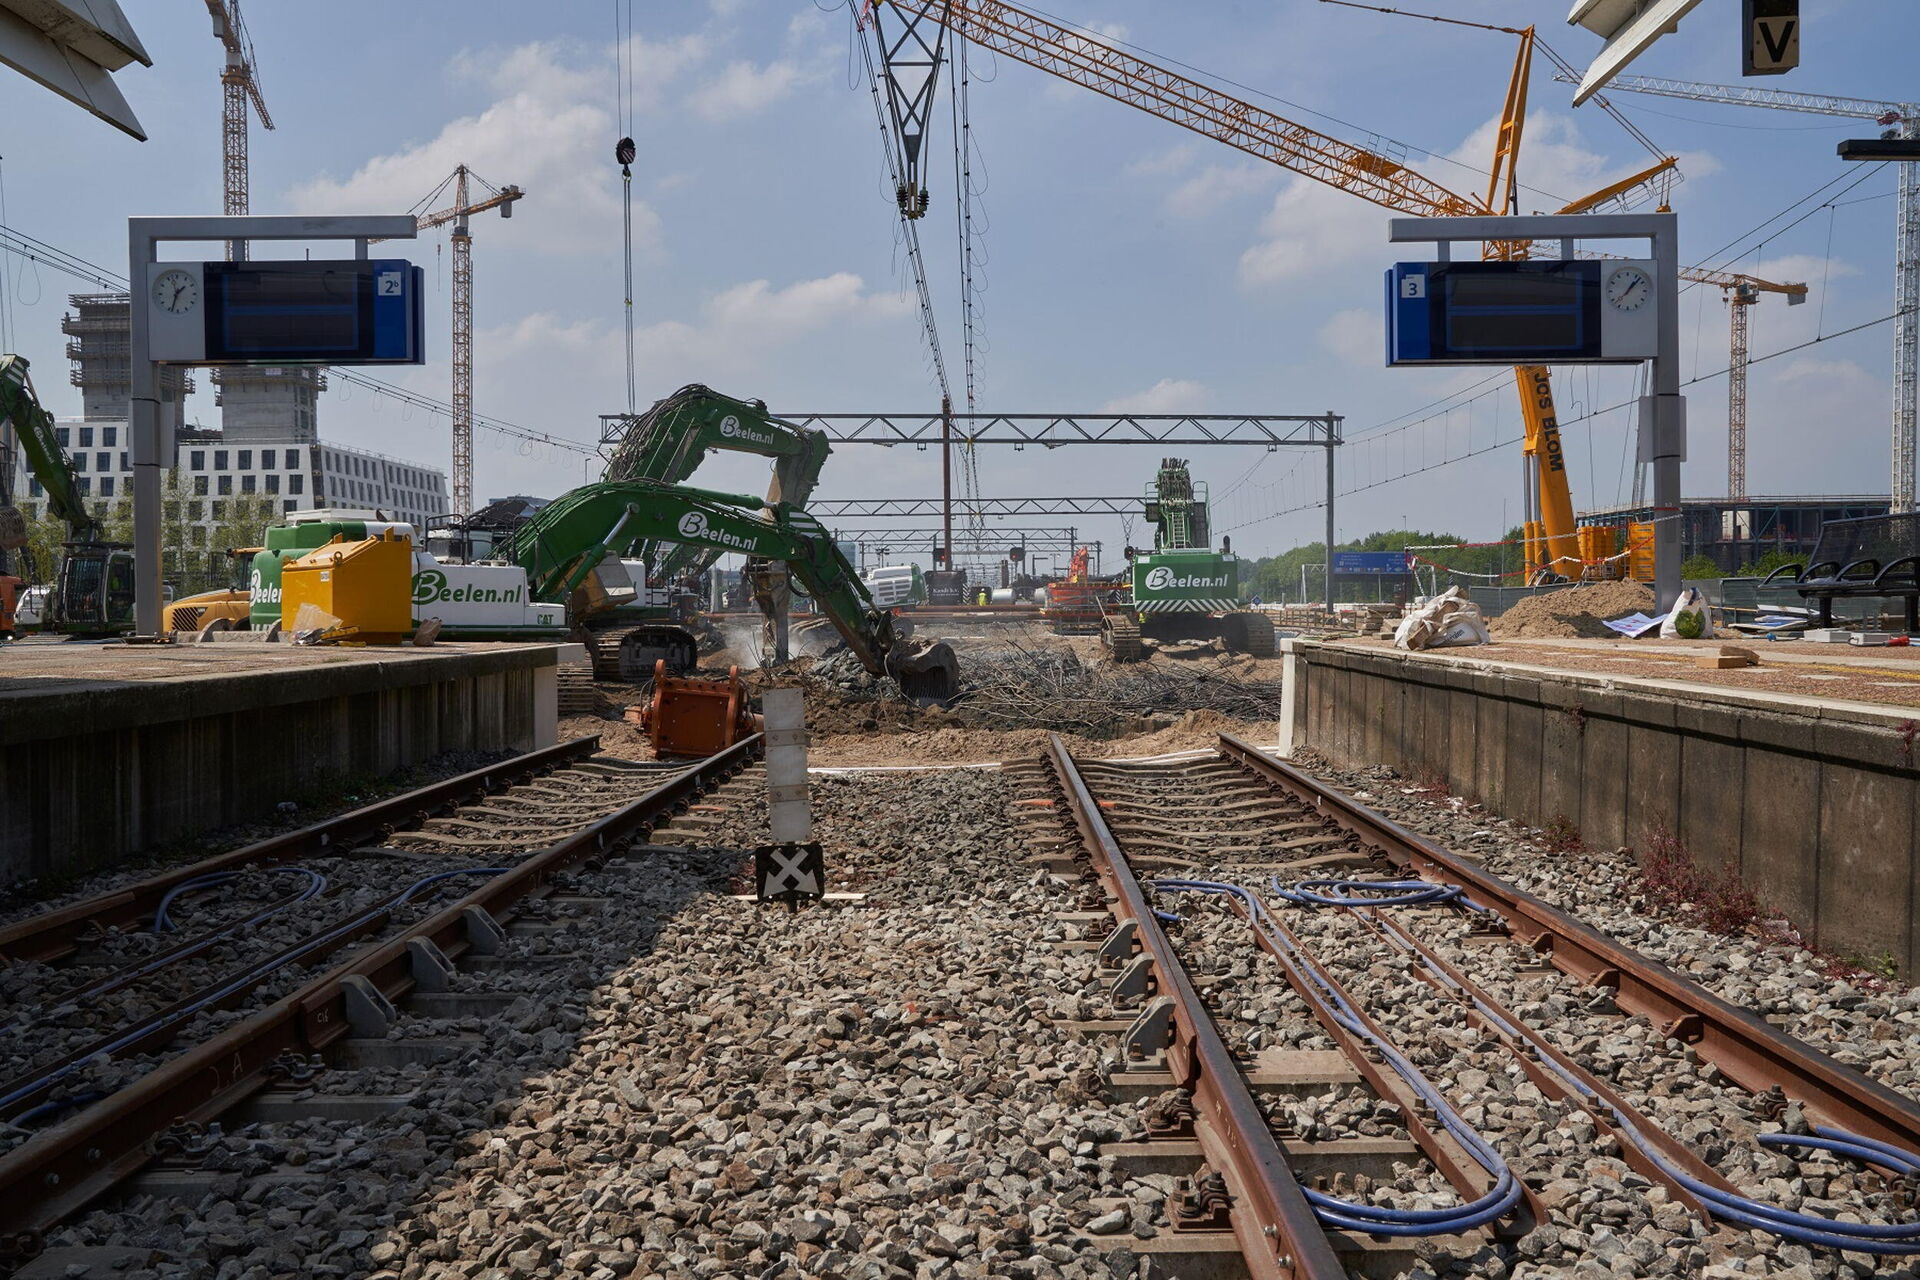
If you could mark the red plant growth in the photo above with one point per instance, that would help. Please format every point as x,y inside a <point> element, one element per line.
<point>1714,899</point>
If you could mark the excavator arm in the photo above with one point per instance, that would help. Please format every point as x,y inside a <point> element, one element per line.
<point>566,540</point>
<point>668,442</point>
<point>46,460</point>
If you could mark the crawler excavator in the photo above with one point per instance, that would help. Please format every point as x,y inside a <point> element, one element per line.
<point>1183,588</point>
<point>93,589</point>
<point>629,613</point>
<point>570,543</point>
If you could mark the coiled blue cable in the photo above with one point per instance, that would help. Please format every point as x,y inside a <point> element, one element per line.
<point>1371,1219</point>
<point>1398,893</point>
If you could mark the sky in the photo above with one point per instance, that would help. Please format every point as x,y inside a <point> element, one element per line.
<point>1125,263</point>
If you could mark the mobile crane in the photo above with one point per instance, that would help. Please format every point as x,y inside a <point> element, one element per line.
<point>93,589</point>
<point>567,545</point>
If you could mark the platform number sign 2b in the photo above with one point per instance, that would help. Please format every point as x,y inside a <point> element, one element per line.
<point>1772,37</point>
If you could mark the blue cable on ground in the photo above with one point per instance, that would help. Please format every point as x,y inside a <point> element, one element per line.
<point>1350,1215</point>
<point>1801,1228</point>
<point>1399,893</point>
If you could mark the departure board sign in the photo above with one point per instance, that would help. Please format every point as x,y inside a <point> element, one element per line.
<point>1370,562</point>
<point>358,311</point>
<point>1579,311</point>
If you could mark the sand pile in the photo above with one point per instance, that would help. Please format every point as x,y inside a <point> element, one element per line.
<point>1574,613</point>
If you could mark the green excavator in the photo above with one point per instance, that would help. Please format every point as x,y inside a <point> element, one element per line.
<point>568,546</point>
<point>92,591</point>
<point>633,613</point>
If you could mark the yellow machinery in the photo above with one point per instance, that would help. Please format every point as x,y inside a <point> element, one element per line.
<point>360,591</point>
<point>229,605</point>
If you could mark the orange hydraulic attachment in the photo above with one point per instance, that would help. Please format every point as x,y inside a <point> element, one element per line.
<point>695,717</point>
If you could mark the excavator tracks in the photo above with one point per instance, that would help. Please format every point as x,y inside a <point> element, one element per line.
<point>1120,637</point>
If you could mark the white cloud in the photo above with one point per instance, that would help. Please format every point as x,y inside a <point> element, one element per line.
<point>742,89</point>
<point>1313,228</point>
<point>546,133</point>
<point>1354,336</point>
<point>1215,185</point>
<point>1169,395</point>
<point>1175,159</point>
<point>656,64</point>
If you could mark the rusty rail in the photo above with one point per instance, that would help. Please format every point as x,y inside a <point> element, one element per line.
<point>53,934</point>
<point>1746,1048</point>
<point>60,1171</point>
<point>1271,1220</point>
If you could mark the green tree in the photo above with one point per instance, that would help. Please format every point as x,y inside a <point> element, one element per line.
<point>1767,563</point>
<point>1701,567</point>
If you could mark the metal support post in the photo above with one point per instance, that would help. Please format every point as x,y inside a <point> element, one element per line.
<point>1332,441</point>
<point>946,479</point>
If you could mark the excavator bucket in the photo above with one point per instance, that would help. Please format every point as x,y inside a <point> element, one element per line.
<point>927,672</point>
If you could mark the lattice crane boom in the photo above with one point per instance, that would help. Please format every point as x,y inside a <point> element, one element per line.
<point>239,88</point>
<point>1094,64</point>
<point>457,213</point>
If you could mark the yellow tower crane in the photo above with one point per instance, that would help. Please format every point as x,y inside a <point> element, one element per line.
<point>1094,63</point>
<point>457,213</point>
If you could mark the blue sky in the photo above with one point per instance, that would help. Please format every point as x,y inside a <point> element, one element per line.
<point>1128,264</point>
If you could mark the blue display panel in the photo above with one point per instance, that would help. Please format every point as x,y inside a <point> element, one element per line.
<point>1370,562</point>
<point>1560,312</point>
<point>352,312</point>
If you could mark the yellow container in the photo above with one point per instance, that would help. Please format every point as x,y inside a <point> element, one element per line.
<point>1640,543</point>
<point>1597,548</point>
<point>367,586</point>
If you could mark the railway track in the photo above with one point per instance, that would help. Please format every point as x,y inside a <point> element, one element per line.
<point>276,973</point>
<point>1352,1043</point>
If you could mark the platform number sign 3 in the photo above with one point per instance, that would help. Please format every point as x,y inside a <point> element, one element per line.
<point>1772,44</point>
<point>387,284</point>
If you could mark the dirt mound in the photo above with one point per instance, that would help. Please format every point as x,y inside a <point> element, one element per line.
<point>1573,613</point>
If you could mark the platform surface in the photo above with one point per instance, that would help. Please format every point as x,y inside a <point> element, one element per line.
<point>53,688</point>
<point>1828,674</point>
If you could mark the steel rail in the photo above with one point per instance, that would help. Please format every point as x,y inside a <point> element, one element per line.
<point>1274,1225</point>
<point>63,1169</point>
<point>53,934</point>
<point>1746,1048</point>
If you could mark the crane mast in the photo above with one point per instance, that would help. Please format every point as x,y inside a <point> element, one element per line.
<point>1900,120</point>
<point>462,208</point>
<point>239,87</point>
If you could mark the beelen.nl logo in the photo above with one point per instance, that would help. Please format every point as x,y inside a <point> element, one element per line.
<point>734,429</point>
<point>694,525</point>
<point>1161,578</point>
<point>430,587</point>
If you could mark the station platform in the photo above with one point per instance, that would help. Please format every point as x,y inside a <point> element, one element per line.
<point>1799,773</point>
<point>107,749</point>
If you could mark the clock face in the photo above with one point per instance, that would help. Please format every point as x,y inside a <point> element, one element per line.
<point>176,292</point>
<point>1629,289</point>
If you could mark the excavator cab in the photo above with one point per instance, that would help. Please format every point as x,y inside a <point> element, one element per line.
<point>94,595</point>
